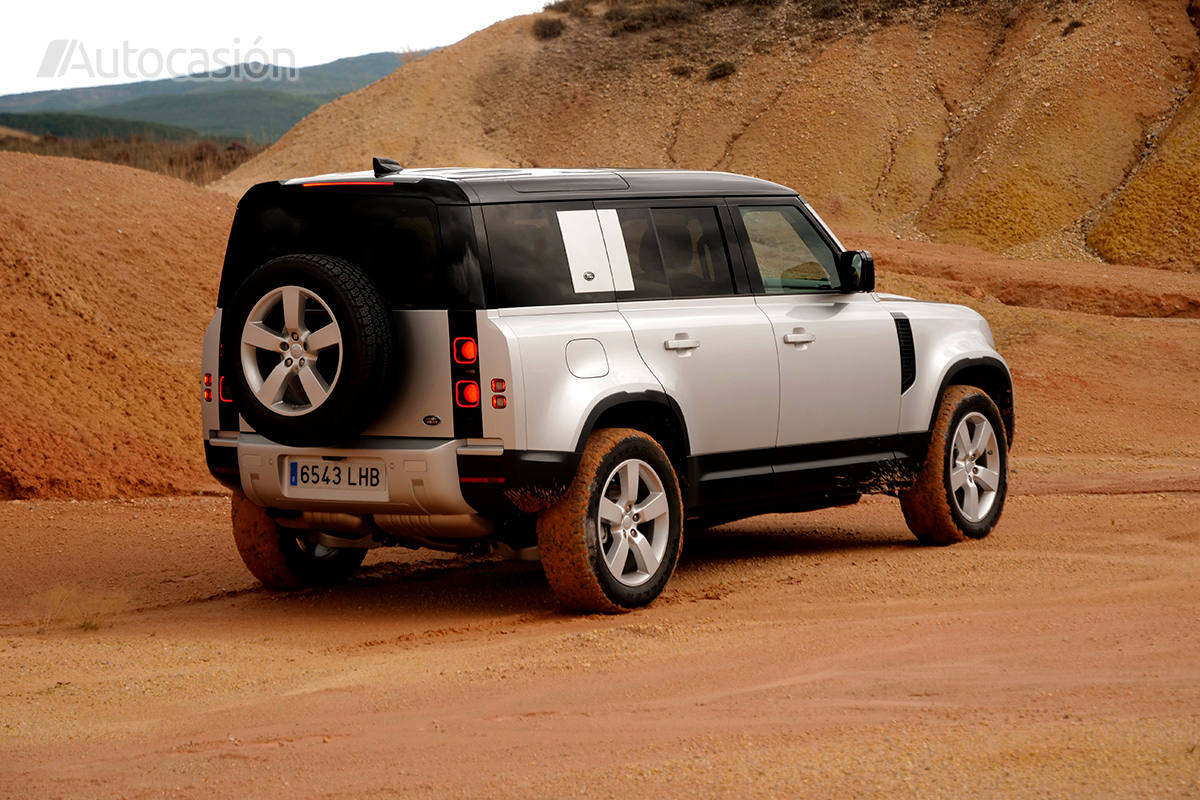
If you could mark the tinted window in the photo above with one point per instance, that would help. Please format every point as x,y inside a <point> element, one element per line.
<point>693,251</point>
<point>396,240</point>
<point>529,257</point>
<point>790,254</point>
<point>645,260</point>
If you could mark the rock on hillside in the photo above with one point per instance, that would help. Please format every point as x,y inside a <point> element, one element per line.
<point>998,123</point>
<point>107,278</point>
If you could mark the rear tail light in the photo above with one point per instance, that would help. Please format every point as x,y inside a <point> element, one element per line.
<point>466,394</point>
<point>466,351</point>
<point>208,387</point>
<point>498,385</point>
<point>221,391</point>
<point>499,401</point>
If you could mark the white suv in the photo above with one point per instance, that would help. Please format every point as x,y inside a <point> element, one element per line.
<point>576,361</point>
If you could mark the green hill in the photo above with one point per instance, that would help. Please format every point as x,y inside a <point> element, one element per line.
<point>252,114</point>
<point>245,101</point>
<point>324,80</point>
<point>91,126</point>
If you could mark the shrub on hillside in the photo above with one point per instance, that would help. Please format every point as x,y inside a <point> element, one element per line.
<point>721,69</point>
<point>548,27</point>
<point>628,17</point>
<point>576,8</point>
<point>828,9</point>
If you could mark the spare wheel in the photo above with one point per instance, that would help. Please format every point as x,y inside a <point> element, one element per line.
<point>309,349</point>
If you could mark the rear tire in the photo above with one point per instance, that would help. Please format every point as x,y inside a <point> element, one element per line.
<point>960,491</point>
<point>612,542</point>
<point>279,558</point>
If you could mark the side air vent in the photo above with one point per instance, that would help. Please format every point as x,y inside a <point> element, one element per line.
<point>908,354</point>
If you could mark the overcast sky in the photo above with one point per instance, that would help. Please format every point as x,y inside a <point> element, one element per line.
<point>76,43</point>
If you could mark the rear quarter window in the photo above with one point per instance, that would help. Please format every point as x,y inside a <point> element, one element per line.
<point>530,264</point>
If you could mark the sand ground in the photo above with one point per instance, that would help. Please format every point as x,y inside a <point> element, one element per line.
<point>816,655</point>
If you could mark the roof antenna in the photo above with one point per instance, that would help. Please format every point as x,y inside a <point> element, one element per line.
<point>385,166</point>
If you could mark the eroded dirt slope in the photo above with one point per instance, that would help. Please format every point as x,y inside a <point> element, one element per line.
<point>107,278</point>
<point>1005,125</point>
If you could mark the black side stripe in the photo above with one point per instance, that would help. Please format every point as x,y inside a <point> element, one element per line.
<point>908,352</point>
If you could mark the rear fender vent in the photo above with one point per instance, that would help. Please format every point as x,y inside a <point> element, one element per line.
<point>908,353</point>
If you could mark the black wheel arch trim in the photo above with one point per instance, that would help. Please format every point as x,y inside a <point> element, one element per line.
<point>993,365</point>
<point>535,479</point>
<point>619,399</point>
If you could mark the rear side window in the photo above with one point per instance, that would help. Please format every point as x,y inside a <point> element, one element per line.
<point>675,252</point>
<point>530,264</point>
<point>693,251</point>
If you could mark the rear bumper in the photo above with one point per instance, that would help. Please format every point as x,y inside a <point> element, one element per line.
<point>420,476</point>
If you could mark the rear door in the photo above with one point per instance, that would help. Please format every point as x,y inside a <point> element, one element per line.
<point>710,347</point>
<point>839,359</point>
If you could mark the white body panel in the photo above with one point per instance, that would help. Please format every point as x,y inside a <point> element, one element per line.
<point>422,382</point>
<point>943,335</point>
<point>727,385</point>
<point>554,402</point>
<point>840,375</point>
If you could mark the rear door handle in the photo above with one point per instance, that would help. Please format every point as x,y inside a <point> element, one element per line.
<point>681,344</point>
<point>799,337</point>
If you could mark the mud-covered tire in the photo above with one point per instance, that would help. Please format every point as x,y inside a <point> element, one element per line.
<point>279,559</point>
<point>354,373</point>
<point>574,540</point>
<point>939,508</point>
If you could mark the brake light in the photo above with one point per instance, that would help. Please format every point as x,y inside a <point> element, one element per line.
<point>466,394</point>
<point>221,391</point>
<point>466,351</point>
<point>347,183</point>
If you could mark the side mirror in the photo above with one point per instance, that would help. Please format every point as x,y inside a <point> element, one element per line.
<point>856,271</point>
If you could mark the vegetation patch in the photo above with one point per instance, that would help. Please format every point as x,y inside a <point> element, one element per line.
<point>200,162</point>
<point>721,69</point>
<point>548,27</point>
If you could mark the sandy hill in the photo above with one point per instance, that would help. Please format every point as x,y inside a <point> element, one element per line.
<point>108,276</point>
<point>981,128</point>
<point>1021,127</point>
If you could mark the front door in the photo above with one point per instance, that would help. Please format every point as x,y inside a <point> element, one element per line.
<point>839,357</point>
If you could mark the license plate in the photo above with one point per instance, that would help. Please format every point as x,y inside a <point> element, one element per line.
<point>347,479</point>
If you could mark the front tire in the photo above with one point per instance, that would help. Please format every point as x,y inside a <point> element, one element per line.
<point>612,542</point>
<point>282,560</point>
<point>960,491</point>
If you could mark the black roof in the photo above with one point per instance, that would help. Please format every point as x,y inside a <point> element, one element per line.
<point>516,185</point>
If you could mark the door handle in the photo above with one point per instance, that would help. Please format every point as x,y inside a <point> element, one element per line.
<point>681,343</point>
<point>799,337</point>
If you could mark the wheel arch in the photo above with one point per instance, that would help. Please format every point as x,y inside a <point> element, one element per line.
<point>654,413</point>
<point>989,374</point>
